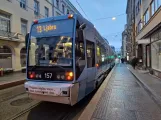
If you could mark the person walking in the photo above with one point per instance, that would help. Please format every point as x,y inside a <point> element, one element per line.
<point>134,62</point>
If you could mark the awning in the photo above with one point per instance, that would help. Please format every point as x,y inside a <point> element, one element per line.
<point>143,41</point>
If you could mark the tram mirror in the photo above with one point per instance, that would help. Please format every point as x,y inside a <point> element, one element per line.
<point>83,26</point>
<point>26,39</point>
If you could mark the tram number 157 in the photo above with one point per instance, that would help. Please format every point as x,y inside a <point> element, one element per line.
<point>48,75</point>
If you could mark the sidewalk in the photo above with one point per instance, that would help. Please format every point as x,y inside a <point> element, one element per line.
<point>120,97</point>
<point>151,83</point>
<point>12,80</point>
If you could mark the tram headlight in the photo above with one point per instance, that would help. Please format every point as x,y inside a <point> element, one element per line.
<point>58,76</point>
<point>69,76</point>
<point>62,77</point>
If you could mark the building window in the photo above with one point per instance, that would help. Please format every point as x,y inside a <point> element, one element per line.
<point>156,51</point>
<point>57,3</point>
<point>63,8</point>
<point>136,10</point>
<point>159,3</point>
<point>138,6</point>
<point>67,11</point>
<point>23,27</point>
<point>23,57</point>
<point>152,8</point>
<point>146,16</point>
<point>23,4</point>
<point>5,57</point>
<point>90,54</point>
<point>4,22</point>
<point>46,12</point>
<point>36,7</point>
<point>140,26</point>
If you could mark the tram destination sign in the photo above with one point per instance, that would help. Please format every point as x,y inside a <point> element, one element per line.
<point>46,29</point>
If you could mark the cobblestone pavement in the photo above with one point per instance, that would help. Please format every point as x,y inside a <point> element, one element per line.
<point>125,99</point>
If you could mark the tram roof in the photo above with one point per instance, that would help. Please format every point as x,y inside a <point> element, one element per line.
<point>81,19</point>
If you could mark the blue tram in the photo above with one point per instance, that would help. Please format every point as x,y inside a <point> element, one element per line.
<point>66,59</point>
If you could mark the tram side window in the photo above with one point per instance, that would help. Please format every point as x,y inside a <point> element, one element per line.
<point>79,53</point>
<point>98,54</point>
<point>90,54</point>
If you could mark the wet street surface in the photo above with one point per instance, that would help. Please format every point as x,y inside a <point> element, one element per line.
<point>125,99</point>
<point>15,105</point>
<point>56,111</point>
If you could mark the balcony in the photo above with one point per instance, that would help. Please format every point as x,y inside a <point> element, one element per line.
<point>11,36</point>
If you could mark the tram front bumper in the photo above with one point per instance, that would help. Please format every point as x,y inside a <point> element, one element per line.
<point>54,92</point>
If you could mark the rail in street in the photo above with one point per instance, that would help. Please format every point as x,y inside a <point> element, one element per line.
<point>122,97</point>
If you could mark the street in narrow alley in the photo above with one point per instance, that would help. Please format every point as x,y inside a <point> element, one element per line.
<point>125,99</point>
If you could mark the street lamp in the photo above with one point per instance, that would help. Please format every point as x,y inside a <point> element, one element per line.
<point>114,18</point>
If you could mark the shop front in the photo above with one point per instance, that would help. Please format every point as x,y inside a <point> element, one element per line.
<point>156,53</point>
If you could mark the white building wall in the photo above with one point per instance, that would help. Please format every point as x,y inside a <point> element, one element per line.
<point>68,5</point>
<point>17,13</point>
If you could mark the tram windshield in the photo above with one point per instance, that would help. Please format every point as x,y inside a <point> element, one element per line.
<point>50,47</point>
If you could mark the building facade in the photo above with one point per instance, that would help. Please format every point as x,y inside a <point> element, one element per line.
<point>124,49</point>
<point>113,48</point>
<point>16,17</point>
<point>148,34</point>
<point>130,30</point>
<point>61,7</point>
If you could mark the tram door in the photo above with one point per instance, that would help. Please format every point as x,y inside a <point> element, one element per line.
<point>91,69</point>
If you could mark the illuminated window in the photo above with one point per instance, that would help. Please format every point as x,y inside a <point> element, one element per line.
<point>90,54</point>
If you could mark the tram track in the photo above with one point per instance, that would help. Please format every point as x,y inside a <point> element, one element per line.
<point>23,112</point>
<point>11,97</point>
<point>48,110</point>
<point>64,112</point>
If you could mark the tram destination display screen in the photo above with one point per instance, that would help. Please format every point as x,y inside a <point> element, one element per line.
<point>52,27</point>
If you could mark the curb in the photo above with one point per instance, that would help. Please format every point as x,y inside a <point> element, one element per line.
<point>11,84</point>
<point>89,110</point>
<point>151,92</point>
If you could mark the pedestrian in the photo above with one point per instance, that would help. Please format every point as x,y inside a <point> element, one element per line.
<point>122,60</point>
<point>134,62</point>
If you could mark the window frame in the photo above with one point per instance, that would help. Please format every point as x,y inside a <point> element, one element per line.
<point>8,20</point>
<point>23,23</point>
<point>36,7</point>
<point>88,42</point>
<point>23,4</point>
<point>63,8</point>
<point>46,11</point>
<point>57,3</point>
